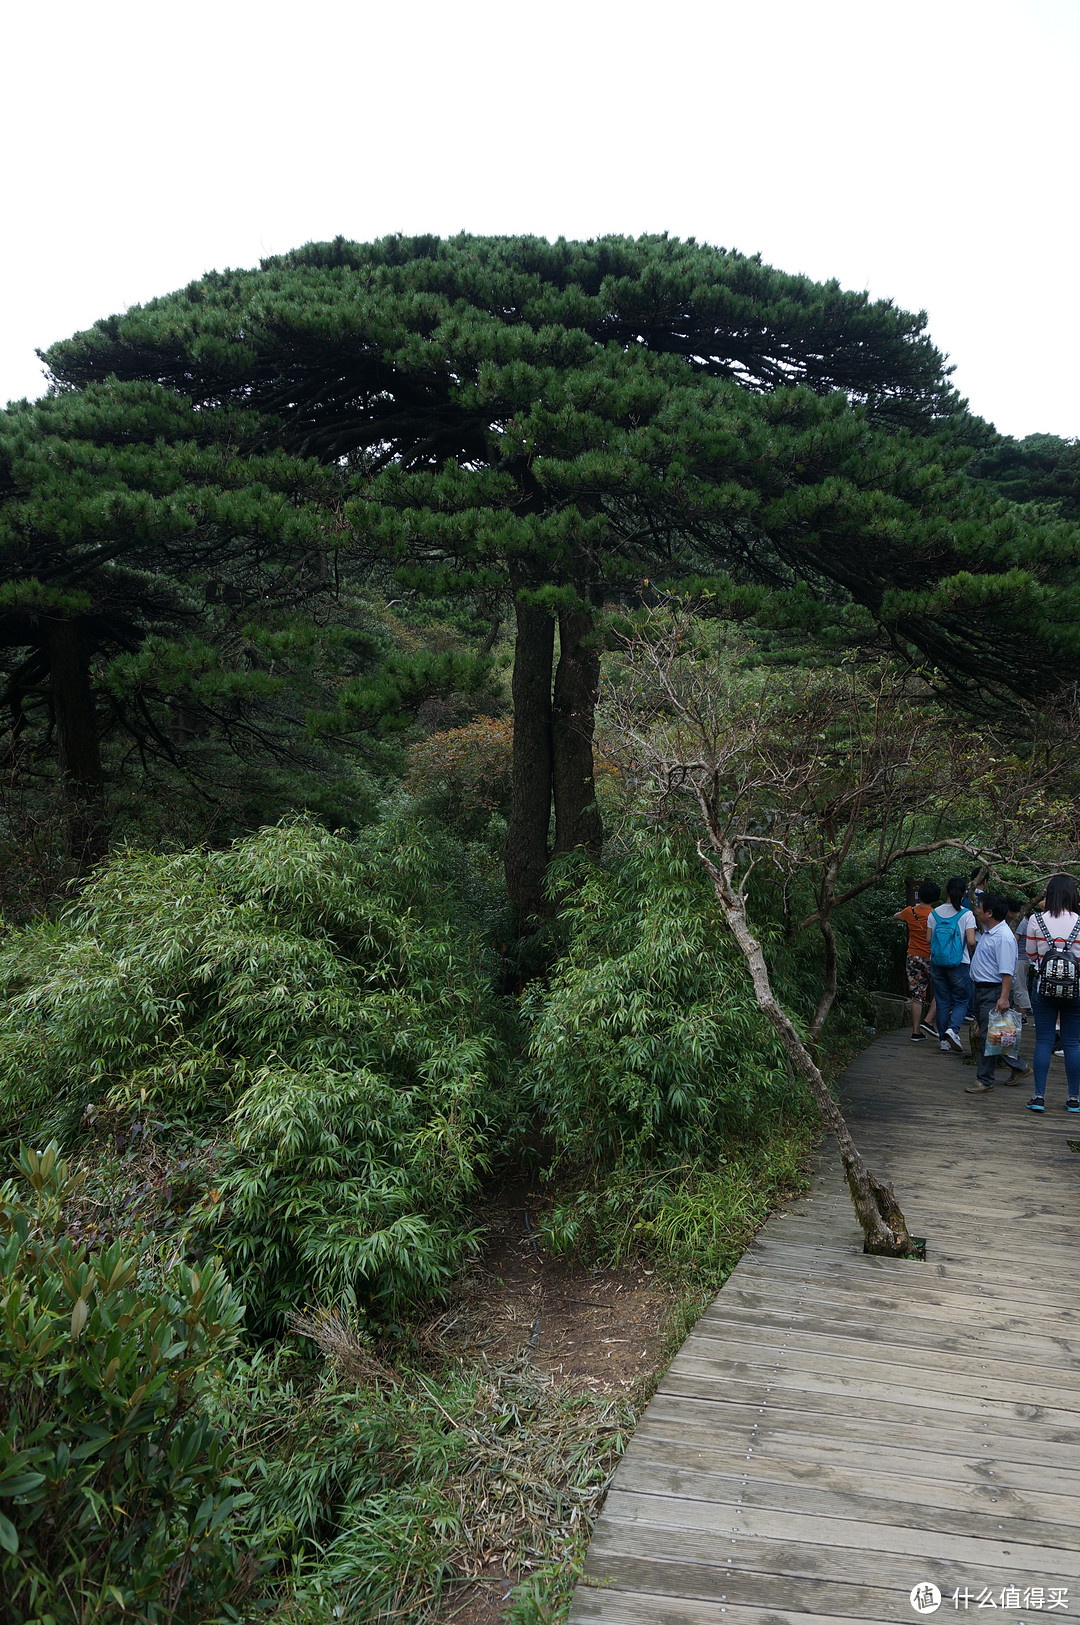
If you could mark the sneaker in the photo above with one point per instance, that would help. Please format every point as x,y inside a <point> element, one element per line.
<point>977,1088</point>
<point>931,1032</point>
<point>946,1049</point>
<point>918,1038</point>
<point>1036,1104</point>
<point>1058,1054</point>
<point>1072,1105</point>
<point>953,1038</point>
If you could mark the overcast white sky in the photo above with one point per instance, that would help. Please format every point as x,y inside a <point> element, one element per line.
<point>926,151</point>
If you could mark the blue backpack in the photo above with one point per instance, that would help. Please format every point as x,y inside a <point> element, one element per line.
<point>946,943</point>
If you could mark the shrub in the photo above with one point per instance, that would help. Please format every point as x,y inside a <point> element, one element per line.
<point>319,1006</point>
<point>648,1048</point>
<point>463,774</point>
<point>345,1187</point>
<point>117,1495</point>
<point>693,1219</point>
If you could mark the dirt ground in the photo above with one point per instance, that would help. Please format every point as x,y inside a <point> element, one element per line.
<point>599,1329</point>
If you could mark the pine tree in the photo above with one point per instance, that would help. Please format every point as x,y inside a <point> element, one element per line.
<point>1043,468</point>
<point>169,590</point>
<point>559,421</point>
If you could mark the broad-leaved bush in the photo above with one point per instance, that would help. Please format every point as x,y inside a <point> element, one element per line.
<point>118,1497</point>
<point>463,774</point>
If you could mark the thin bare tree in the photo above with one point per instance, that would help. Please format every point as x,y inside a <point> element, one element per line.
<point>825,778</point>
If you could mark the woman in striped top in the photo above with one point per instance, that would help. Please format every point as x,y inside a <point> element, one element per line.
<point>1060,917</point>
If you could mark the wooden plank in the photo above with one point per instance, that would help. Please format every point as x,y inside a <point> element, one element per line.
<point>958,1298</point>
<point>733,1526</point>
<point>972,1257</point>
<point>724,1357</point>
<point>778,1567</point>
<point>602,1606</point>
<point>839,1296</point>
<point>942,1309</point>
<point>842,1396</point>
<point>985,1278</point>
<point>827,1416</point>
<point>940,1453</point>
<point>902,1344</point>
<point>700,1584</point>
<point>607,1606</point>
<point>783,1483</point>
<point>959,1242</point>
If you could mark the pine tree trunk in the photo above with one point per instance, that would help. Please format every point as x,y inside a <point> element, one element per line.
<point>526,849</point>
<point>578,824</point>
<point>75,717</point>
<point>875,1204</point>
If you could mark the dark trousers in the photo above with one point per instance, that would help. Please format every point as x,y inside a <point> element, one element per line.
<point>984,996</point>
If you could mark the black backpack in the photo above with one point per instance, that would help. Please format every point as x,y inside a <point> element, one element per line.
<point>1059,969</point>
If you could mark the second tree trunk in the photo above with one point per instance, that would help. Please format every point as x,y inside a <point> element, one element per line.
<point>573,718</point>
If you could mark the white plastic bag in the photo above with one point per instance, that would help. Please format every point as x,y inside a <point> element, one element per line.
<point>1002,1032</point>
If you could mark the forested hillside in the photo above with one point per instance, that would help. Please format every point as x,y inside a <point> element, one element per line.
<point>403,647</point>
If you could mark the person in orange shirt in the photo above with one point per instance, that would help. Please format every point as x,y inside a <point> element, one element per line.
<point>917,962</point>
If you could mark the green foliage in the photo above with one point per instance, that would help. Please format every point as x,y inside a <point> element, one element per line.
<point>118,1497</point>
<point>648,1048</point>
<point>569,417</point>
<point>141,529</point>
<point>183,614</point>
<point>319,1006</point>
<point>733,315</point>
<point>1041,468</point>
<point>482,419</point>
<point>381,1493</point>
<point>353,1483</point>
<point>383,701</point>
<point>463,775</point>
<point>696,1219</point>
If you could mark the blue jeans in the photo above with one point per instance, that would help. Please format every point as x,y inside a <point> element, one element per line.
<point>952,990</point>
<point>1046,1016</point>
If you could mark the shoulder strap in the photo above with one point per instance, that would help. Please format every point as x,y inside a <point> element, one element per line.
<point>1050,939</point>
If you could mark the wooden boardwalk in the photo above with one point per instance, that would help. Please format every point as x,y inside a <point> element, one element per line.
<point>837,1428</point>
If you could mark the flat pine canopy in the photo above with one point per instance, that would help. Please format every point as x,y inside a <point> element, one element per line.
<point>578,415</point>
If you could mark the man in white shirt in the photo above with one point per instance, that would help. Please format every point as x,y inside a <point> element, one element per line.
<point>993,965</point>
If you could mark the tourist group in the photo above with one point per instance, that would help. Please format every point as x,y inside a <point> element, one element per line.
<point>995,960</point>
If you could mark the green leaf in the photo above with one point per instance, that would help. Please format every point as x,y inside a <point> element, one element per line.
<point>21,1483</point>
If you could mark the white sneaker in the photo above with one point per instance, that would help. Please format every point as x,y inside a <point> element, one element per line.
<point>944,1048</point>
<point>953,1037</point>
